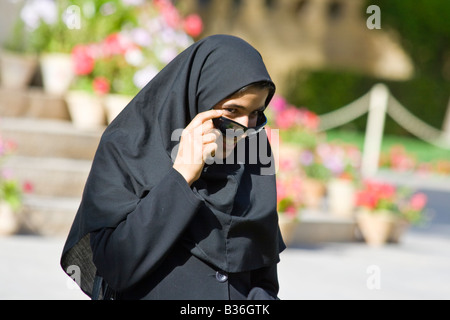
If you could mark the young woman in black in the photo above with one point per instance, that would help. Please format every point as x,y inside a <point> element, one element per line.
<point>170,209</point>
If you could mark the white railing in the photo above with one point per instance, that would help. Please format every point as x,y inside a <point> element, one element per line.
<point>378,102</point>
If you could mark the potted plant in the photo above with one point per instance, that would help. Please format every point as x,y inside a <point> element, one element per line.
<point>386,211</point>
<point>289,203</point>
<point>298,126</point>
<point>343,160</point>
<point>316,176</point>
<point>18,58</point>
<point>10,193</point>
<point>115,67</point>
<point>84,97</point>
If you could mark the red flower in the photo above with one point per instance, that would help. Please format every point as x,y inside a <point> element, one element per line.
<point>366,199</point>
<point>418,201</point>
<point>82,60</point>
<point>193,25</point>
<point>101,85</point>
<point>28,187</point>
<point>169,12</point>
<point>113,45</point>
<point>310,119</point>
<point>288,118</point>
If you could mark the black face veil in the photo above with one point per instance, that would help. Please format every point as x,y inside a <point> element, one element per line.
<point>236,229</point>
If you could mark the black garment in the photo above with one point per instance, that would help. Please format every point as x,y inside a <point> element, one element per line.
<point>147,269</point>
<point>137,211</point>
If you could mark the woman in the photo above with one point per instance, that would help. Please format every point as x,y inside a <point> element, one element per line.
<point>155,221</point>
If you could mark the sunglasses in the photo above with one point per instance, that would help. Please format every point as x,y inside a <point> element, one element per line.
<point>224,124</point>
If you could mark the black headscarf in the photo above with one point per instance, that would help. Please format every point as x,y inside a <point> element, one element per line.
<point>236,229</point>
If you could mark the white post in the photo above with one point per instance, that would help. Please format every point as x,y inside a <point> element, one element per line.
<point>374,131</point>
<point>446,125</point>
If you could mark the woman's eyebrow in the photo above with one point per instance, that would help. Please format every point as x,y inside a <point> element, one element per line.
<point>237,106</point>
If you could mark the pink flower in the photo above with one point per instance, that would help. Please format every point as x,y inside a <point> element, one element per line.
<point>83,60</point>
<point>307,158</point>
<point>287,164</point>
<point>101,85</point>
<point>169,12</point>
<point>288,118</point>
<point>7,174</point>
<point>418,201</point>
<point>28,187</point>
<point>193,25</point>
<point>278,103</point>
<point>281,191</point>
<point>311,120</point>
<point>113,45</point>
<point>291,211</point>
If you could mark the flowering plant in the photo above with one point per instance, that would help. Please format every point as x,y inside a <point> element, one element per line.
<point>58,25</point>
<point>289,184</point>
<point>377,196</point>
<point>398,159</point>
<point>10,190</point>
<point>126,60</point>
<point>102,67</point>
<point>297,125</point>
<point>289,200</point>
<point>342,160</point>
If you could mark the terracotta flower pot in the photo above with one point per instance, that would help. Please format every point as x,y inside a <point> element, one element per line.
<point>86,110</point>
<point>376,227</point>
<point>313,193</point>
<point>288,227</point>
<point>17,70</point>
<point>341,198</point>
<point>9,221</point>
<point>57,72</point>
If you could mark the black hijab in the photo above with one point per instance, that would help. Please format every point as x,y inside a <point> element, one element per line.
<point>236,229</point>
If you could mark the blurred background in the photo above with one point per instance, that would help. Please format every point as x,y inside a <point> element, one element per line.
<point>360,126</point>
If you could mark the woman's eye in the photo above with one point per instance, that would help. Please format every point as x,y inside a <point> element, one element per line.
<point>230,110</point>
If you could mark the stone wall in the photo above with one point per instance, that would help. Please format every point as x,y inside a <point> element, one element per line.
<point>307,34</point>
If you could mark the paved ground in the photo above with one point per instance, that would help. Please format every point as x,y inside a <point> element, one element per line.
<point>418,268</point>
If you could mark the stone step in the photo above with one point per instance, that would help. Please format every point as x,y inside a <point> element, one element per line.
<point>50,138</point>
<point>317,227</point>
<point>32,103</point>
<point>51,176</point>
<point>48,216</point>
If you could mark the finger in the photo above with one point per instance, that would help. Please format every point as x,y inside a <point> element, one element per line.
<point>216,131</point>
<point>209,137</point>
<point>207,126</point>
<point>204,116</point>
<point>209,150</point>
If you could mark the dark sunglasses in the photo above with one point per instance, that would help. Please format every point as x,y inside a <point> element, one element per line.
<point>224,124</point>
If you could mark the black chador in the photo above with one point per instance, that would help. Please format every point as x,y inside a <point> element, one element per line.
<point>148,234</point>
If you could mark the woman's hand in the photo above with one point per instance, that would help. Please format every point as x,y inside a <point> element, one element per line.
<point>197,143</point>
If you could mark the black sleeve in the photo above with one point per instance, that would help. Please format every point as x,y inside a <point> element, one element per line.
<point>126,254</point>
<point>264,284</point>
